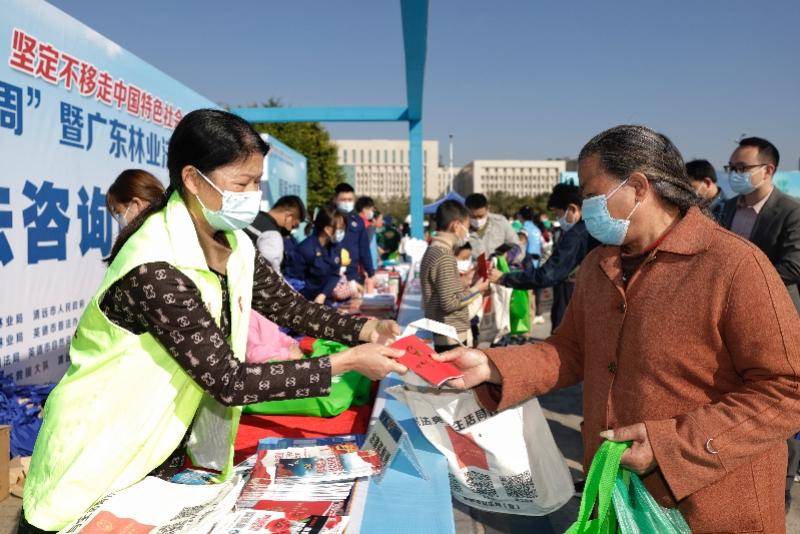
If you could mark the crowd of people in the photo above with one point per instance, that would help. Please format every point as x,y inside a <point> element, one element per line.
<point>675,306</point>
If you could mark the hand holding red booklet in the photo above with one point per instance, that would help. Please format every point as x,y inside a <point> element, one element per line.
<point>418,359</point>
<point>483,267</point>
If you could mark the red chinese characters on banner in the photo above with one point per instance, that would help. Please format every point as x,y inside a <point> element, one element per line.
<point>23,52</point>
<point>43,60</point>
<point>47,64</point>
<point>104,88</point>
<point>168,116</point>
<point>88,80</point>
<point>120,93</point>
<point>147,106</point>
<point>134,99</point>
<point>158,111</point>
<point>68,71</point>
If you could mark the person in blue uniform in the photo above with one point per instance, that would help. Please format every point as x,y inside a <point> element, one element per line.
<point>317,260</point>
<point>356,240</point>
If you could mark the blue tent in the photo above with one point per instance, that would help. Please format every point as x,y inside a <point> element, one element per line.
<point>430,209</point>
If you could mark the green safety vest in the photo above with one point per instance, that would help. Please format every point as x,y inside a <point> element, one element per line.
<point>125,404</point>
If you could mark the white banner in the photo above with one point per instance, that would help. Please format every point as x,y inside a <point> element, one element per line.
<point>75,110</point>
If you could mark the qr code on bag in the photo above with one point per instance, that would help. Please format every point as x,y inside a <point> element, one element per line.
<point>519,486</point>
<point>455,486</point>
<point>481,484</point>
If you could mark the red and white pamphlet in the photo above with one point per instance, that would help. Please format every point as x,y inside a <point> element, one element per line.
<point>418,359</point>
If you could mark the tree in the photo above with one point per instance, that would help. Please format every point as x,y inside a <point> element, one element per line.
<point>508,205</point>
<point>313,141</point>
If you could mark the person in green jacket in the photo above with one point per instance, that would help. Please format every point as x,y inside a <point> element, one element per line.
<point>158,366</point>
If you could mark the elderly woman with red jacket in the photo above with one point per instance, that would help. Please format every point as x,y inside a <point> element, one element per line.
<point>684,336</point>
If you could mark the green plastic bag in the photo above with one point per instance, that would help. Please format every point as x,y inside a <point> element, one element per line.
<point>349,389</point>
<point>520,306</point>
<point>637,511</point>
<point>622,502</point>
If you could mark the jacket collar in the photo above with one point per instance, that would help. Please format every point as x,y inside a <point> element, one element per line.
<point>193,248</point>
<point>691,235</point>
<point>445,239</point>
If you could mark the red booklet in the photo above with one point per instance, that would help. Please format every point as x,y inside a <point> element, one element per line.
<point>418,359</point>
<point>483,267</point>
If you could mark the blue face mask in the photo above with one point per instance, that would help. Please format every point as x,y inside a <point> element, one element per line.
<point>599,222</point>
<point>238,210</point>
<point>742,183</point>
<point>564,223</point>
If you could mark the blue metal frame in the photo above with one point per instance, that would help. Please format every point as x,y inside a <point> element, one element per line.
<point>322,114</point>
<point>415,36</point>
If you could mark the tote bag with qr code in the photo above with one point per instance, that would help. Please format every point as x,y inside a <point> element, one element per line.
<point>505,462</point>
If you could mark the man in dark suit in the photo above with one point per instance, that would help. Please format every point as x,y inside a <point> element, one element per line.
<point>770,219</point>
<point>763,214</point>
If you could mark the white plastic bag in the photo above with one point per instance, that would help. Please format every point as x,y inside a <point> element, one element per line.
<point>496,322</point>
<point>507,462</point>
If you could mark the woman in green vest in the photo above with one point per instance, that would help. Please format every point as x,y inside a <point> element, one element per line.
<point>158,361</point>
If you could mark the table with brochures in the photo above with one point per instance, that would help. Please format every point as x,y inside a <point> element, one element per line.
<point>403,501</point>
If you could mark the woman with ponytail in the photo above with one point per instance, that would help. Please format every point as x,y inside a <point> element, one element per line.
<point>131,193</point>
<point>158,368</point>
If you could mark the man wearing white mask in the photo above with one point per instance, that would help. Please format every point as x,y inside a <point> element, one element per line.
<point>767,217</point>
<point>356,240</point>
<point>488,231</point>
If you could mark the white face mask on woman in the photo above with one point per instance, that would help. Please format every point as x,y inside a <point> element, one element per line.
<point>238,210</point>
<point>120,218</point>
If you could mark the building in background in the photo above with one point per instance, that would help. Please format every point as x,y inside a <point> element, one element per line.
<point>515,177</point>
<point>379,167</point>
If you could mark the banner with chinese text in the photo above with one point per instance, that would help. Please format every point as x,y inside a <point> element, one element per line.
<point>75,110</point>
<point>285,173</point>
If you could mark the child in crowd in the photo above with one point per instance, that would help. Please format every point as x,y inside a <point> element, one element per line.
<point>464,259</point>
<point>446,298</point>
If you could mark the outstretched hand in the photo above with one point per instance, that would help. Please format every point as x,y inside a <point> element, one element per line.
<point>474,364</point>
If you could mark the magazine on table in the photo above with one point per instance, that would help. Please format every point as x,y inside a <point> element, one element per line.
<point>158,506</point>
<point>299,491</point>
<point>326,467</point>
<point>262,521</point>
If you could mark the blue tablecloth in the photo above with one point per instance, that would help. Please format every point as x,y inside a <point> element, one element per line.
<point>403,502</point>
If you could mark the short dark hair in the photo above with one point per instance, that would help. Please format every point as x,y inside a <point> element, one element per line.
<point>293,203</point>
<point>448,212</point>
<point>465,246</point>
<point>701,168</point>
<point>326,216</point>
<point>765,149</point>
<point>364,203</point>
<point>563,195</point>
<point>476,201</point>
<point>343,187</point>
<point>526,212</point>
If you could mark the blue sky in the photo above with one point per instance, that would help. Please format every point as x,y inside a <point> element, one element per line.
<point>509,79</point>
